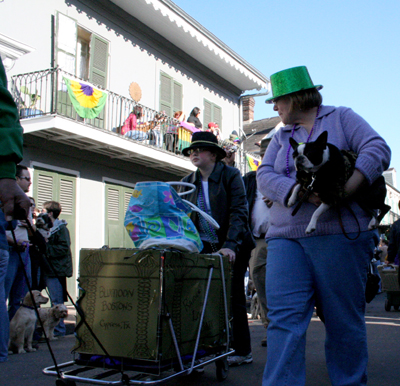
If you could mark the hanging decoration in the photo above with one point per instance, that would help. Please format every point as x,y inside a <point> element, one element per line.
<point>87,100</point>
<point>252,162</point>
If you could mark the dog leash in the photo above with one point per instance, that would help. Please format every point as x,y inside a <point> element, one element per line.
<point>341,222</point>
<point>31,294</point>
<point>305,196</point>
<point>80,312</point>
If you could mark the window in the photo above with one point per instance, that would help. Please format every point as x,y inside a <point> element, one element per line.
<point>170,95</point>
<point>212,113</point>
<point>83,54</point>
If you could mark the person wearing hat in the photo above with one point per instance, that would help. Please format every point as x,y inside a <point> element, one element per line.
<point>220,192</point>
<point>322,267</point>
<point>258,220</point>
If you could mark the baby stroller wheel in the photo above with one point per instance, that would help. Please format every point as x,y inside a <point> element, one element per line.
<point>222,368</point>
<point>388,305</point>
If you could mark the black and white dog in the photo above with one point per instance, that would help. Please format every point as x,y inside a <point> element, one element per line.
<point>327,169</point>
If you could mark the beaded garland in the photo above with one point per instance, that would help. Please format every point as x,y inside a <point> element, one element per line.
<point>309,136</point>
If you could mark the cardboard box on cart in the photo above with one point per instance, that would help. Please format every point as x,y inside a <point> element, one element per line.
<point>125,302</point>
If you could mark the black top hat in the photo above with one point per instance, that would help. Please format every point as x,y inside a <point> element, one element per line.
<point>205,139</point>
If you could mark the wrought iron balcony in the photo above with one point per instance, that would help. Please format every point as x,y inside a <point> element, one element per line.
<point>45,92</point>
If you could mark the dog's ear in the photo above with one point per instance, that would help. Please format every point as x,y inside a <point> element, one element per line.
<point>293,143</point>
<point>322,139</point>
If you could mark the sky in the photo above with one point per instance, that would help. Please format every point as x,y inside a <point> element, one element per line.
<point>351,47</point>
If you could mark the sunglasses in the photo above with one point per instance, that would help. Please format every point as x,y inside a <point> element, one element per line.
<point>197,150</point>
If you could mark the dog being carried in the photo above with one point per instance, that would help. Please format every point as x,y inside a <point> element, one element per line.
<point>324,169</point>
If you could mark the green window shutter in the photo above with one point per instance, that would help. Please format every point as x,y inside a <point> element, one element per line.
<point>54,186</point>
<point>98,61</point>
<point>217,115</point>
<point>117,201</point>
<point>166,93</point>
<point>207,113</point>
<point>212,113</point>
<point>177,97</point>
<point>170,95</point>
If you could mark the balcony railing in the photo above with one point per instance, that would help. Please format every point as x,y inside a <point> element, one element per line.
<point>42,93</point>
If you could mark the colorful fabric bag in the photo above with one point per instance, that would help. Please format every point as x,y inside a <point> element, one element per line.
<point>157,216</point>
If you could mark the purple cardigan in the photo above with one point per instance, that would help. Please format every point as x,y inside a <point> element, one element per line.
<point>346,130</point>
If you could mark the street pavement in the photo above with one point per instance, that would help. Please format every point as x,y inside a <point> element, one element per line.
<point>383,370</point>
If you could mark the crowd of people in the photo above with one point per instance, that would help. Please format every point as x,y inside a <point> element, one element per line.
<point>30,258</point>
<point>161,132</point>
<point>293,272</point>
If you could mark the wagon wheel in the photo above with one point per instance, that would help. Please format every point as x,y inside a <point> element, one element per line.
<point>65,382</point>
<point>388,305</point>
<point>222,368</point>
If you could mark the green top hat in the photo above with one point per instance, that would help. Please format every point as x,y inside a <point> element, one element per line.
<point>289,81</point>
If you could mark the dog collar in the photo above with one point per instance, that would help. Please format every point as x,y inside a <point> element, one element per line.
<point>31,308</point>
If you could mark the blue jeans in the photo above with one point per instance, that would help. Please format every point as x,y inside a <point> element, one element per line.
<point>56,297</point>
<point>4,322</point>
<point>333,271</point>
<point>15,283</point>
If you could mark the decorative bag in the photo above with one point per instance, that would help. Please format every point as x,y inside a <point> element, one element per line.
<point>158,216</point>
<point>372,287</point>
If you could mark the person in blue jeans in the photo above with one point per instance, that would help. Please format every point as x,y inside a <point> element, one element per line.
<point>19,263</point>
<point>323,267</point>
<point>14,202</point>
<point>59,259</point>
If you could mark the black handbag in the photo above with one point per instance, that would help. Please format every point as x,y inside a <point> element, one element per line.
<point>372,287</point>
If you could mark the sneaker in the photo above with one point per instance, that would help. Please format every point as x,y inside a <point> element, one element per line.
<point>237,360</point>
<point>264,342</point>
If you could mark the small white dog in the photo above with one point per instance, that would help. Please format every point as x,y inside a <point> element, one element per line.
<point>50,317</point>
<point>23,323</point>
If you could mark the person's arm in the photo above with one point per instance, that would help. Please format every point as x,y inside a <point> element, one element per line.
<point>373,152</point>
<point>15,203</point>
<point>276,187</point>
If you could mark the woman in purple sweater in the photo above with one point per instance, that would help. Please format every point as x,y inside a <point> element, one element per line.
<point>324,266</point>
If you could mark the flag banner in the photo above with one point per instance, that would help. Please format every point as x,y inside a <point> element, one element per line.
<point>88,101</point>
<point>252,162</point>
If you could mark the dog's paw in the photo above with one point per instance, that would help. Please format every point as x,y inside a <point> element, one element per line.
<point>291,201</point>
<point>372,224</point>
<point>21,351</point>
<point>310,229</point>
<point>30,349</point>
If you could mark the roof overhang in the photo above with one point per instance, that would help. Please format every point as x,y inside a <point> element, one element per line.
<point>107,143</point>
<point>175,25</point>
